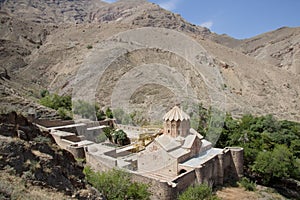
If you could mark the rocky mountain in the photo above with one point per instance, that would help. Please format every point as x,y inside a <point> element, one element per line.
<point>280,48</point>
<point>52,11</point>
<point>46,44</point>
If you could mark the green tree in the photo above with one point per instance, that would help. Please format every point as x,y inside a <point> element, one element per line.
<point>116,184</point>
<point>198,192</point>
<point>109,113</point>
<point>120,137</point>
<point>108,131</point>
<point>274,164</point>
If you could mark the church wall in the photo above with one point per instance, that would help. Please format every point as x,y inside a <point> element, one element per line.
<point>183,181</point>
<point>155,158</point>
<point>208,172</point>
<point>237,155</point>
<point>160,190</point>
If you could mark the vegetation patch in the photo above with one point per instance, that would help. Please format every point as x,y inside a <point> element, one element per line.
<point>116,184</point>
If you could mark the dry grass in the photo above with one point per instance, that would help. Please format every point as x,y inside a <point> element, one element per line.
<point>261,193</point>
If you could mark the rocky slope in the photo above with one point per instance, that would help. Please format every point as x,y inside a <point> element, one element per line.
<point>280,48</point>
<point>28,152</point>
<point>52,52</point>
<point>52,11</point>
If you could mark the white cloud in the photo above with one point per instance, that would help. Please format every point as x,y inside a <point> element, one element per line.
<point>207,24</point>
<point>169,5</point>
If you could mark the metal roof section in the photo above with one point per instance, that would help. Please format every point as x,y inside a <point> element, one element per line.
<point>176,114</point>
<point>203,157</point>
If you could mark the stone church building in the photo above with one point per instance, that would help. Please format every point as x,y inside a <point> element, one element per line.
<point>174,160</point>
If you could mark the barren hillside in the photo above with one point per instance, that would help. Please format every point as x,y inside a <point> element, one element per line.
<point>280,48</point>
<point>50,53</point>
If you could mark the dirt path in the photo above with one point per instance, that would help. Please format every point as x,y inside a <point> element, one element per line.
<point>236,193</point>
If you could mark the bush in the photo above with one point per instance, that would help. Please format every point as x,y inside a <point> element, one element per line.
<point>87,110</point>
<point>42,139</point>
<point>44,93</point>
<point>55,101</point>
<point>109,113</point>
<point>116,184</point>
<point>198,192</point>
<point>247,184</point>
<point>64,114</point>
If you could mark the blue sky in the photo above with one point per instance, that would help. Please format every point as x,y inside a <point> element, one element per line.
<point>238,18</point>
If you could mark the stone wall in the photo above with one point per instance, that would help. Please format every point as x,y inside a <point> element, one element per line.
<point>160,190</point>
<point>184,180</point>
<point>100,163</point>
<point>237,155</point>
<point>208,172</point>
<point>160,159</point>
<point>216,171</point>
<point>53,123</point>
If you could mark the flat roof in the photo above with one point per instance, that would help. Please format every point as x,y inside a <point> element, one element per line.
<point>84,143</point>
<point>67,126</point>
<point>202,158</point>
<point>98,149</point>
<point>96,127</point>
<point>61,133</point>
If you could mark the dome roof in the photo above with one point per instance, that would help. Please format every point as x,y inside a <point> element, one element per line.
<point>176,114</point>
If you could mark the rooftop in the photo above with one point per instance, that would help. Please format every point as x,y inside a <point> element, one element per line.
<point>176,114</point>
<point>203,157</point>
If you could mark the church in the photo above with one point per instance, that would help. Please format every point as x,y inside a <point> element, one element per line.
<point>172,161</point>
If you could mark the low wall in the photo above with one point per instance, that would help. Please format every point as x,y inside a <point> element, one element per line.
<point>185,180</point>
<point>53,123</point>
<point>160,190</point>
<point>77,152</point>
<point>100,163</point>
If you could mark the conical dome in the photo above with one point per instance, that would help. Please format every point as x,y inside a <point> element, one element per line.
<point>176,114</point>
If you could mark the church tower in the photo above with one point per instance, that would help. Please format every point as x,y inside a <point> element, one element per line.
<point>176,123</point>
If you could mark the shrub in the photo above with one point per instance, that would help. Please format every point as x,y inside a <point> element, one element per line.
<point>64,113</point>
<point>89,46</point>
<point>55,101</point>
<point>116,184</point>
<point>109,113</point>
<point>44,93</point>
<point>198,192</point>
<point>87,110</point>
<point>42,139</point>
<point>247,184</point>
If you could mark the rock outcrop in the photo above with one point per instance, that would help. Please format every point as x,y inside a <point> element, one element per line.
<point>32,154</point>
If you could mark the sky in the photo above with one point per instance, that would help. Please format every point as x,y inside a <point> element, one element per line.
<point>237,18</point>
